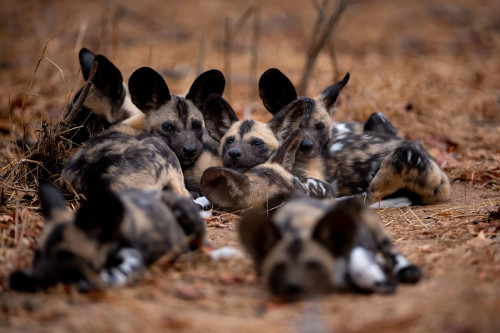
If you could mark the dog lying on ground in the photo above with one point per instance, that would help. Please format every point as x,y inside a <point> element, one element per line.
<point>312,246</point>
<point>110,239</point>
<point>150,150</point>
<point>377,162</point>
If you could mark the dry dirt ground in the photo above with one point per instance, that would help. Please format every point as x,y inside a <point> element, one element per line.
<point>432,67</point>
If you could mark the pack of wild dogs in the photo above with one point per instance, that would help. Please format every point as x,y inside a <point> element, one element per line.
<point>151,163</point>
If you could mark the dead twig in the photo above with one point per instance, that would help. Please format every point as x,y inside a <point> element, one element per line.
<point>230,32</point>
<point>318,40</point>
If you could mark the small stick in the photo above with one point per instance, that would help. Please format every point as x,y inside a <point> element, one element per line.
<point>150,55</point>
<point>201,54</point>
<point>81,35</point>
<point>114,34</point>
<point>254,55</point>
<point>313,51</point>
<point>421,222</point>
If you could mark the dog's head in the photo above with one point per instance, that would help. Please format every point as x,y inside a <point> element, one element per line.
<point>280,98</point>
<point>73,247</point>
<point>301,249</point>
<point>177,119</point>
<point>244,144</point>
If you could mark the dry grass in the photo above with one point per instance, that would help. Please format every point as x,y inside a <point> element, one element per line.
<point>432,68</point>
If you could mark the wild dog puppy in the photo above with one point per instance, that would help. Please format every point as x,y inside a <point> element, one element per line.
<point>264,186</point>
<point>244,143</point>
<point>178,119</point>
<point>377,162</point>
<point>101,102</point>
<point>110,239</point>
<point>148,151</point>
<point>280,98</point>
<point>312,246</point>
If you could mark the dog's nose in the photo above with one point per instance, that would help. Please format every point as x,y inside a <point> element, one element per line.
<point>234,153</point>
<point>306,144</point>
<point>189,150</point>
<point>293,289</point>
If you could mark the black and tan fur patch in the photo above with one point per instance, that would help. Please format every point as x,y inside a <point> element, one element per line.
<point>115,161</point>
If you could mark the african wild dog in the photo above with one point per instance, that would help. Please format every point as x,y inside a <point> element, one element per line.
<point>312,246</point>
<point>101,102</point>
<point>243,143</point>
<point>110,239</point>
<point>377,161</point>
<point>263,186</point>
<point>279,97</point>
<point>232,143</point>
<point>150,150</point>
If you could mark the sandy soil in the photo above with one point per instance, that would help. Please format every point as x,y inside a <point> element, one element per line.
<point>431,67</point>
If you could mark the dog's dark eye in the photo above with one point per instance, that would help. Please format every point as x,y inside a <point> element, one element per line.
<point>313,265</point>
<point>229,140</point>
<point>320,127</point>
<point>168,127</point>
<point>257,142</point>
<point>196,125</point>
<point>64,255</point>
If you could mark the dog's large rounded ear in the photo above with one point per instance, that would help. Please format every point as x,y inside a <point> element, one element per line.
<point>258,234</point>
<point>218,115</point>
<point>276,90</point>
<point>288,120</point>
<point>86,58</point>
<point>101,216</point>
<point>107,78</point>
<point>285,155</point>
<point>51,200</point>
<point>330,94</point>
<point>148,90</point>
<point>338,228</point>
<point>209,82</point>
<point>226,188</point>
